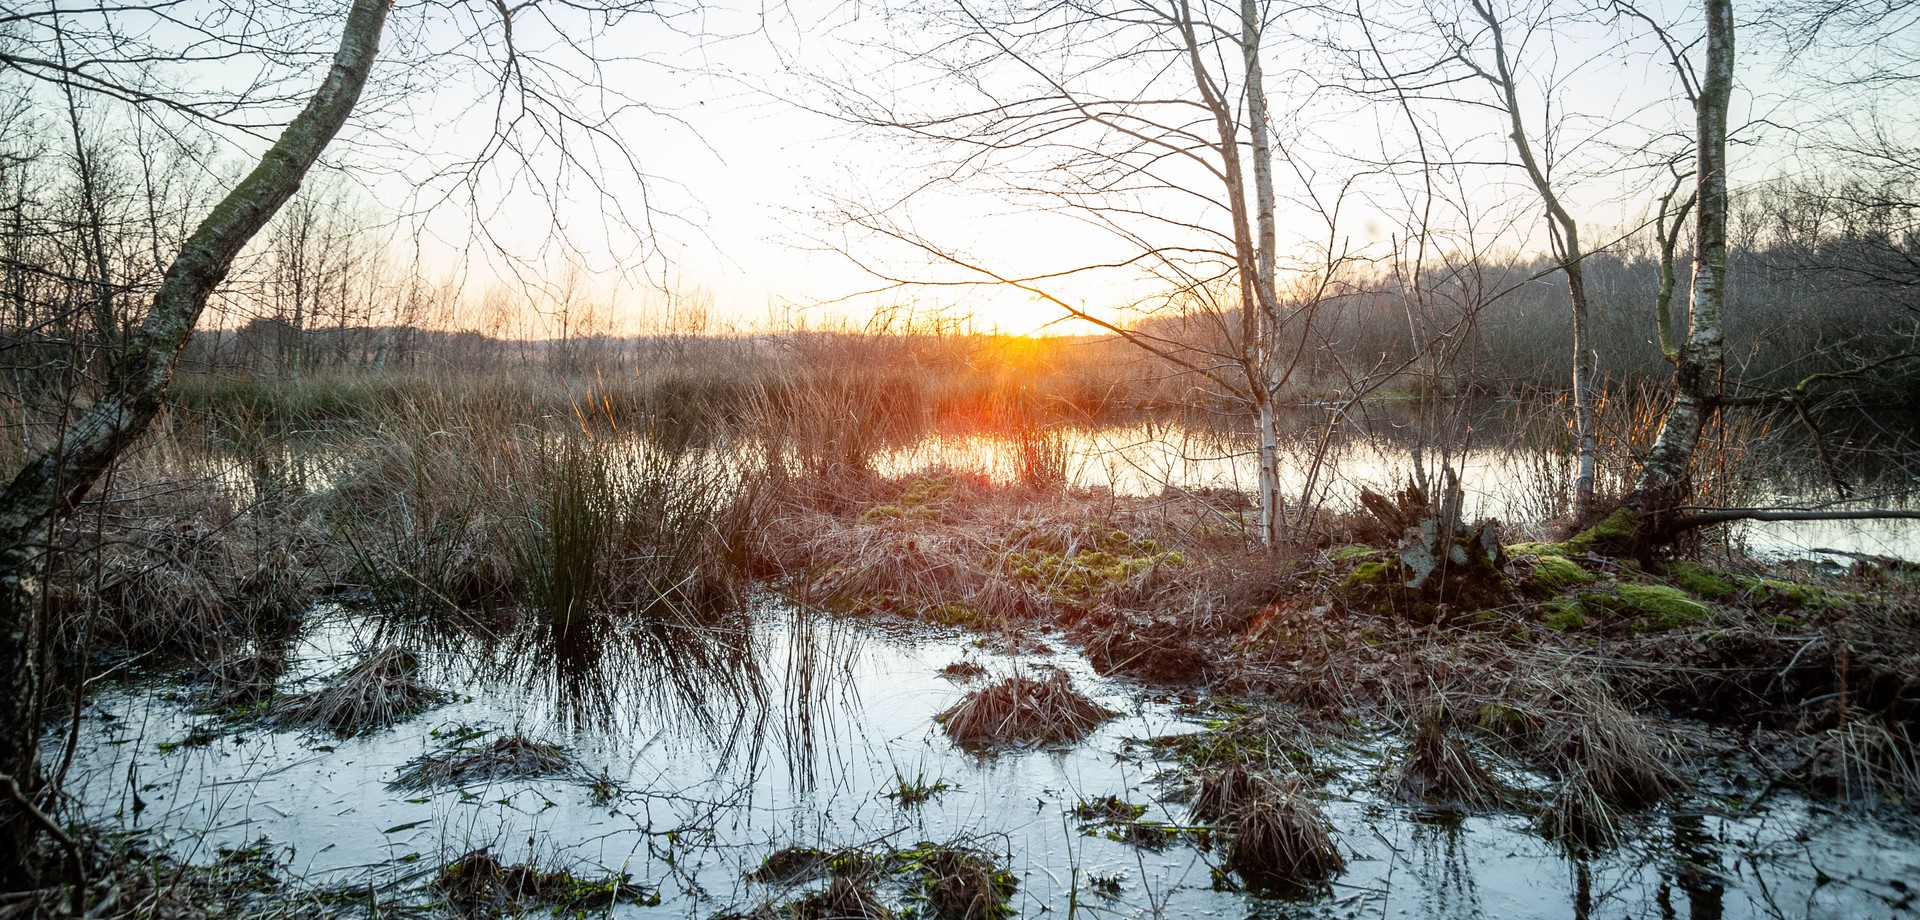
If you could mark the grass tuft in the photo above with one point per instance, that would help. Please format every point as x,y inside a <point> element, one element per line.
<point>1281,841</point>
<point>381,690</point>
<point>1020,709</point>
<point>509,757</point>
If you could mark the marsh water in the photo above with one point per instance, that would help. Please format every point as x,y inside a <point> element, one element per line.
<point>1504,474</point>
<point>799,727</point>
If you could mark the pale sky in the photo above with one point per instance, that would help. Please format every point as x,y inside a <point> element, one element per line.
<point>744,184</point>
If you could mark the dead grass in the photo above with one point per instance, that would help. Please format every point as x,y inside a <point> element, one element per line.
<point>848,896</point>
<point>510,757</point>
<point>1281,840</point>
<point>1442,771</point>
<point>1580,817</point>
<point>1222,793</point>
<point>479,885</point>
<point>1022,710</point>
<point>961,884</point>
<point>381,690</point>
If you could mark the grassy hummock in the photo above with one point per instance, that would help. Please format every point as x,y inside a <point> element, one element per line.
<point>508,757</point>
<point>1023,710</point>
<point>381,690</point>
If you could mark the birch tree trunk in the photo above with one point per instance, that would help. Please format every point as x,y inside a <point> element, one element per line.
<point>50,484</point>
<point>1266,345</point>
<point>1665,480</point>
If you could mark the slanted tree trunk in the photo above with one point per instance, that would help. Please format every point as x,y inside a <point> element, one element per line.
<point>50,484</point>
<point>1665,481</point>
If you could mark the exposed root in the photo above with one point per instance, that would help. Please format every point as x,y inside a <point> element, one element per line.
<point>511,757</point>
<point>381,690</point>
<point>1019,709</point>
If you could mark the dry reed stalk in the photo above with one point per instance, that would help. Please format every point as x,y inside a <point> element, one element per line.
<point>1019,709</point>
<point>381,690</point>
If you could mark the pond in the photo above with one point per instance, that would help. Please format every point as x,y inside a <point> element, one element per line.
<point>1519,485</point>
<point>692,765</point>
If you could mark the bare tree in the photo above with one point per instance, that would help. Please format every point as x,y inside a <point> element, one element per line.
<point>1149,121</point>
<point>171,68</point>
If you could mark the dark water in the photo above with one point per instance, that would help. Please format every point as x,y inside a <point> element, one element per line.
<point>798,728</point>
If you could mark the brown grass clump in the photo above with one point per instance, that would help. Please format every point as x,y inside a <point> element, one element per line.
<point>1223,792</point>
<point>849,896</point>
<point>1613,752</point>
<point>479,885</point>
<point>381,690</point>
<point>1440,770</point>
<point>1281,840</point>
<point>514,756</point>
<point>964,670</point>
<point>961,884</point>
<point>1580,817</point>
<point>1020,709</point>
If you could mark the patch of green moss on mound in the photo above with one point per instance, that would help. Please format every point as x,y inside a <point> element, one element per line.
<point>1554,574</point>
<point>1613,536</point>
<point>1796,594</point>
<point>1369,575</point>
<point>1564,614</point>
<point>1652,608</point>
<point>1700,581</point>
<point>1351,552</point>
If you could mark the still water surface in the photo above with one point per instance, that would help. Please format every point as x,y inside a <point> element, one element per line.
<point>821,718</point>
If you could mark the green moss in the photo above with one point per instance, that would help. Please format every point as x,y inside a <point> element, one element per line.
<point>1090,571</point>
<point>899,513</point>
<point>1699,581</point>
<point>1613,536</point>
<point>1537,549</point>
<point>928,491</point>
<point>1554,574</point>
<point>1652,607</point>
<point>1351,552</point>
<point>952,614</point>
<point>1367,575</point>
<point>1563,614</point>
<point>1803,596</point>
